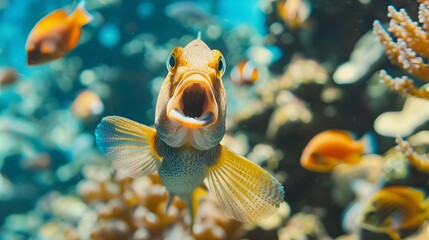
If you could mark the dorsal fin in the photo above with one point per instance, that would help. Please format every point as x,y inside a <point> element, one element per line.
<point>199,35</point>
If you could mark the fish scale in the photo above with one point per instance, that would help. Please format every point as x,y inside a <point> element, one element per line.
<point>183,171</point>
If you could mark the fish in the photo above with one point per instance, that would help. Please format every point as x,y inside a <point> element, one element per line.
<point>293,12</point>
<point>86,105</point>
<point>244,73</point>
<point>8,76</point>
<point>184,147</point>
<point>191,14</point>
<point>55,35</point>
<point>393,209</point>
<point>328,149</point>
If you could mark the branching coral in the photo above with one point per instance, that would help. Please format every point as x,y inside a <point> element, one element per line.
<point>410,50</point>
<point>416,160</point>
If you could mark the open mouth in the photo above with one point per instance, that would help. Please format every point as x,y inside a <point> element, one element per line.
<point>193,104</point>
<point>193,100</point>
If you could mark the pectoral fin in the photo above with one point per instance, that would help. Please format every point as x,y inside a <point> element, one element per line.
<point>130,145</point>
<point>244,190</point>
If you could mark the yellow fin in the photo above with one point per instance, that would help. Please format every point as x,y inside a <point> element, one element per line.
<point>198,193</point>
<point>394,235</point>
<point>244,190</point>
<point>130,145</point>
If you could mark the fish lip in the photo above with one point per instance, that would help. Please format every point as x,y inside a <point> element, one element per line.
<point>190,122</point>
<point>193,104</point>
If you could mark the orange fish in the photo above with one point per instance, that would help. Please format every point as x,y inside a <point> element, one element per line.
<point>86,105</point>
<point>244,73</point>
<point>293,12</point>
<point>331,147</point>
<point>8,76</point>
<point>55,35</point>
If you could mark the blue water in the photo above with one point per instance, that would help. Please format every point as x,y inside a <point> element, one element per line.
<point>121,58</point>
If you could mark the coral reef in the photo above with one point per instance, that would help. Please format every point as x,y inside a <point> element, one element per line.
<point>56,185</point>
<point>410,49</point>
<point>139,205</point>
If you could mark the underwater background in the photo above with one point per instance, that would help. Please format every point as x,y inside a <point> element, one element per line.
<point>319,67</point>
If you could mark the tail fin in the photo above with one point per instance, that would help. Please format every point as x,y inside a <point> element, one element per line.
<point>81,15</point>
<point>192,202</point>
<point>369,142</point>
<point>198,193</point>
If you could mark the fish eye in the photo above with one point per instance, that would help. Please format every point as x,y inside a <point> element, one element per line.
<point>171,61</point>
<point>221,66</point>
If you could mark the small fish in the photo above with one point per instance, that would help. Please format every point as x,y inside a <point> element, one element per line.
<point>86,105</point>
<point>8,76</point>
<point>184,148</point>
<point>293,12</point>
<point>244,73</point>
<point>331,147</point>
<point>393,209</point>
<point>55,35</point>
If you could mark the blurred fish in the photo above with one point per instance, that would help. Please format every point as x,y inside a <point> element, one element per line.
<point>264,55</point>
<point>55,35</point>
<point>8,76</point>
<point>329,148</point>
<point>293,12</point>
<point>86,105</point>
<point>184,148</point>
<point>244,73</point>
<point>190,14</point>
<point>393,209</point>
<point>41,161</point>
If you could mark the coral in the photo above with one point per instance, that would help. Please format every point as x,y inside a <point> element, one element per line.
<point>416,160</point>
<point>396,165</point>
<point>303,226</point>
<point>302,71</point>
<point>344,177</point>
<point>415,112</point>
<point>278,100</point>
<point>126,208</point>
<point>289,108</point>
<point>410,50</point>
<point>363,59</point>
<point>404,85</point>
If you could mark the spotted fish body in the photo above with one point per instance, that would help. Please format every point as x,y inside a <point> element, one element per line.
<point>184,146</point>
<point>183,171</point>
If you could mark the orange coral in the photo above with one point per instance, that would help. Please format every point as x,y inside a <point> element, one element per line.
<point>409,49</point>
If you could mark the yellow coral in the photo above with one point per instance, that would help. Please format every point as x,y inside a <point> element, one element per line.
<point>411,46</point>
